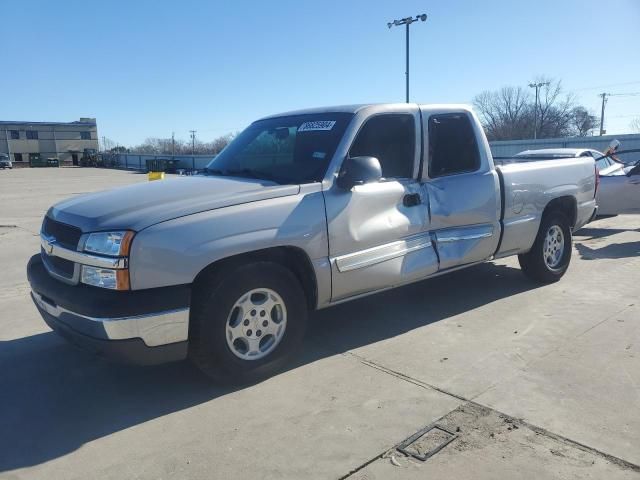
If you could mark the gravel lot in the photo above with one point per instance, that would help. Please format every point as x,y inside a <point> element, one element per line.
<point>534,381</point>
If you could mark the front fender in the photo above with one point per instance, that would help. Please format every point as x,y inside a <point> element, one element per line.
<point>175,251</point>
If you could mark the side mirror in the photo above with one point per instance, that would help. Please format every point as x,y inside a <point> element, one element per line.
<point>358,171</point>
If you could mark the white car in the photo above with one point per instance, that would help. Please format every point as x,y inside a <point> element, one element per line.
<point>5,162</point>
<point>619,190</point>
<point>606,166</point>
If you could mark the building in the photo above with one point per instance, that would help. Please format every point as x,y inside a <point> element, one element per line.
<point>31,143</point>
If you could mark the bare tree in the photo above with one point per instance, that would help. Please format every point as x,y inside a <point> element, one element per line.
<point>583,121</point>
<point>510,113</point>
<point>165,146</point>
<point>635,124</point>
<point>504,113</point>
<point>554,109</point>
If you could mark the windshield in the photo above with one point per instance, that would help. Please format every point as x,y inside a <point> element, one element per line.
<point>287,150</point>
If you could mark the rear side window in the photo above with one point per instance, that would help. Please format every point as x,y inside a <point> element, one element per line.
<point>391,139</point>
<point>452,145</point>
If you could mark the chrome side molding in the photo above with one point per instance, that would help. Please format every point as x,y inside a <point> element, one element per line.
<point>381,253</point>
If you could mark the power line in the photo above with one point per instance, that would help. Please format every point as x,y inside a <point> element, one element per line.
<point>606,86</point>
<point>604,96</point>
<point>632,94</point>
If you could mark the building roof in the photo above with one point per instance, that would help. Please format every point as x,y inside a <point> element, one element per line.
<point>84,122</point>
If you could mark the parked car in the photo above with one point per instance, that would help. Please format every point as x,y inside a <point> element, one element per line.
<point>619,191</point>
<point>606,166</point>
<point>302,211</point>
<point>5,162</point>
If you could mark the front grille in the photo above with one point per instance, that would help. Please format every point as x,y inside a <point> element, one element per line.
<point>57,265</point>
<point>65,235</point>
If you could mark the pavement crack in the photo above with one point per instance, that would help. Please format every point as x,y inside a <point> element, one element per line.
<point>404,377</point>
<point>567,441</point>
<point>606,319</point>
<point>620,462</point>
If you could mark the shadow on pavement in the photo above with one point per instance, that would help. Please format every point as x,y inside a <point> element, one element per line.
<point>613,250</point>
<point>594,233</point>
<point>54,398</point>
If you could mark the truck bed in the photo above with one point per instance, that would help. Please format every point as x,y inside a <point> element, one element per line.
<point>529,186</point>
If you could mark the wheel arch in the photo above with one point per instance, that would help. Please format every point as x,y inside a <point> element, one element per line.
<point>293,258</point>
<point>567,205</point>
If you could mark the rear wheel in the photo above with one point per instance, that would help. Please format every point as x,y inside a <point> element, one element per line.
<point>247,322</point>
<point>549,258</point>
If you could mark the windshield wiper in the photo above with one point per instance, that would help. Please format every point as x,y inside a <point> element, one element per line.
<point>251,173</point>
<point>214,171</point>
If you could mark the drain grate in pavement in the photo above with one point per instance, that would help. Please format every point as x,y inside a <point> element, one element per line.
<point>427,442</point>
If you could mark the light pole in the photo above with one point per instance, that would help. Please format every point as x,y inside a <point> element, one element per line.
<point>537,86</point>
<point>193,141</point>
<point>407,21</point>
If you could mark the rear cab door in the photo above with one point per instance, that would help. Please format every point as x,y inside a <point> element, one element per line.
<point>463,186</point>
<point>379,232</point>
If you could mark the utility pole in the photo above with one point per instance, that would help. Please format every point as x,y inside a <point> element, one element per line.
<point>407,21</point>
<point>104,144</point>
<point>537,86</point>
<point>604,102</point>
<point>193,141</point>
<point>173,144</point>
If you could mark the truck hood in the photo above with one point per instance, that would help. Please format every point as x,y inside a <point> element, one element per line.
<point>136,207</point>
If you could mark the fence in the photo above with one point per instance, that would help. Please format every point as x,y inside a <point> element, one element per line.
<point>508,148</point>
<point>134,161</point>
<point>502,148</point>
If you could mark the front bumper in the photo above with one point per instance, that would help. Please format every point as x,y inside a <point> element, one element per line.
<point>142,327</point>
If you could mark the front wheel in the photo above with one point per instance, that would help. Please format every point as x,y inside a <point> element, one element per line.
<point>247,322</point>
<point>549,258</point>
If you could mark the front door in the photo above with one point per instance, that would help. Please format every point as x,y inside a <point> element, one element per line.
<point>378,235</point>
<point>463,186</point>
<point>74,158</point>
<point>619,194</point>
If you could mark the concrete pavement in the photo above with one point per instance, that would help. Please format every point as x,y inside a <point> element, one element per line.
<point>480,350</point>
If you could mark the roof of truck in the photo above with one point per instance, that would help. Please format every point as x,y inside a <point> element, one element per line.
<point>357,107</point>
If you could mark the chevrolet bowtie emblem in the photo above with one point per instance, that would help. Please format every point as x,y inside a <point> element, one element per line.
<point>50,243</point>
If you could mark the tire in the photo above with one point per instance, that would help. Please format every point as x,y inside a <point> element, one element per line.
<point>548,266</point>
<point>235,304</point>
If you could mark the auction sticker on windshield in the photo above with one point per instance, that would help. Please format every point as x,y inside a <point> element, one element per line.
<point>318,125</point>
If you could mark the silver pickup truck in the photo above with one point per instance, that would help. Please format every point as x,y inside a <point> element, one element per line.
<point>301,211</point>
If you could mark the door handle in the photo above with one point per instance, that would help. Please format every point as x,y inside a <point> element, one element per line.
<point>411,200</point>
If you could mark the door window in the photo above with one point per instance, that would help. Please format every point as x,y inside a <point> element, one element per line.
<point>602,163</point>
<point>390,139</point>
<point>452,145</point>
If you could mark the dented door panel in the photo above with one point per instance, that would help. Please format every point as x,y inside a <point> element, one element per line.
<point>375,240</point>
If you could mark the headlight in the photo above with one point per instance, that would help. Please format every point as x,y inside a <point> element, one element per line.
<point>114,244</point>
<point>105,277</point>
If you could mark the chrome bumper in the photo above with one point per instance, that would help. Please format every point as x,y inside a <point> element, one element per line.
<point>155,329</point>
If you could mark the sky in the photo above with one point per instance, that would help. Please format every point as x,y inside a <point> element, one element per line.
<point>150,68</point>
